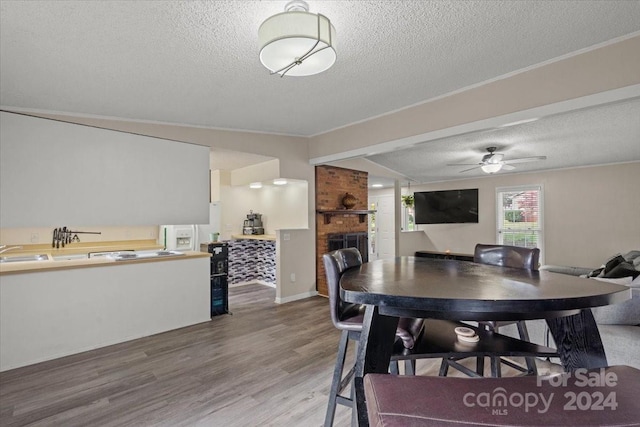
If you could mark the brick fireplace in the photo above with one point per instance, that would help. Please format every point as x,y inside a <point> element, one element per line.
<point>332,184</point>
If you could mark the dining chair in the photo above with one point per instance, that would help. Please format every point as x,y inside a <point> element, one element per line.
<point>514,257</point>
<point>431,401</point>
<point>348,318</point>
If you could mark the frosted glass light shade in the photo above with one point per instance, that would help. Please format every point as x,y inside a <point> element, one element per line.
<point>491,167</point>
<point>288,36</point>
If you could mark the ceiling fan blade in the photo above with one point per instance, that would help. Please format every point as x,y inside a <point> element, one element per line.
<point>464,164</point>
<point>525,159</point>
<point>506,167</point>
<point>470,169</point>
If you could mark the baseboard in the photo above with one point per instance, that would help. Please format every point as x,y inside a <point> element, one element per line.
<point>260,282</point>
<point>253,282</point>
<point>296,297</point>
<point>272,285</point>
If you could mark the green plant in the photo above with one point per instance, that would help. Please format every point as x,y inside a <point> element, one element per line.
<point>513,216</point>
<point>407,200</point>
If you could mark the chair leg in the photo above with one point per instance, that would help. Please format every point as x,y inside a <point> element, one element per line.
<point>532,369</point>
<point>480,366</point>
<point>409,367</point>
<point>354,410</point>
<point>337,378</point>
<point>444,367</point>
<point>496,371</point>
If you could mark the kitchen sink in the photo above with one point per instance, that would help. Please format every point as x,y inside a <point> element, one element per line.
<point>24,258</point>
<point>123,256</point>
<point>70,257</point>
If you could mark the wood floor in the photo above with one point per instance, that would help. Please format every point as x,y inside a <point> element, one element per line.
<point>265,365</point>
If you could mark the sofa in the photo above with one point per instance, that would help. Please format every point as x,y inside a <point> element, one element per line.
<point>619,324</point>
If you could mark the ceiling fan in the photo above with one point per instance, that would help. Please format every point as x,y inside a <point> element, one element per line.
<point>494,162</point>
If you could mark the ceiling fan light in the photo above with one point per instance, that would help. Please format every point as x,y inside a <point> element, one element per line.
<point>296,42</point>
<point>491,167</point>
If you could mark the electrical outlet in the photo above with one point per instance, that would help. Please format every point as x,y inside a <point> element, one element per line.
<point>287,236</point>
<point>293,277</point>
<point>35,238</point>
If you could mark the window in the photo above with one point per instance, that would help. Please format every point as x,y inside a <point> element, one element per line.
<point>372,228</point>
<point>408,213</point>
<point>519,212</point>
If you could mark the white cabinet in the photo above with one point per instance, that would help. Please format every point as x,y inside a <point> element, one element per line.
<point>50,314</point>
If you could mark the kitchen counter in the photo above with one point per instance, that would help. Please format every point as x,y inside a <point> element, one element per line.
<point>252,260</point>
<point>50,309</point>
<point>55,257</point>
<point>254,237</point>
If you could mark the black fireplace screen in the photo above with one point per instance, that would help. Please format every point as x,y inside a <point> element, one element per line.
<point>350,240</point>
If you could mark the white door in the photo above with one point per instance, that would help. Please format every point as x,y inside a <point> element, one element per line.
<point>383,241</point>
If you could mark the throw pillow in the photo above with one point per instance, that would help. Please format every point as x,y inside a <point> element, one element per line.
<point>633,257</point>
<point>613,262</point>
<point>623,269</point>
<point>611,269</point>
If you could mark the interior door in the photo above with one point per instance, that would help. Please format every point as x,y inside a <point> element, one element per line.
<point>382,241</point>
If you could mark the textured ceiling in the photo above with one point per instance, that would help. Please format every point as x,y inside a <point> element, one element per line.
<point>196,63</point>
<point>599,135</point>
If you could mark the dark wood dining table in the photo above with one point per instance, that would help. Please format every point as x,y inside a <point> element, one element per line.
<point>463,290</point>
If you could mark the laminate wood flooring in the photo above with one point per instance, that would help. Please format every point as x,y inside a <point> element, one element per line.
<point>265,365</point>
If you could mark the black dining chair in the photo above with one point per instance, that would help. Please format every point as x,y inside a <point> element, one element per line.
<point>348,318</point>
<point>514,257</point>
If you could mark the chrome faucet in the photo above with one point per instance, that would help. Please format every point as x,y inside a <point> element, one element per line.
<point>5,248</point>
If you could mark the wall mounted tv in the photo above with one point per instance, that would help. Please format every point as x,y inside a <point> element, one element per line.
<point>446,207</point>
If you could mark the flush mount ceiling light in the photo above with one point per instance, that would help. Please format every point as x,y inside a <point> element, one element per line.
<point>255,185</point>
<point>296,42</point>
<point>279,181</point>
<point>377,186</point>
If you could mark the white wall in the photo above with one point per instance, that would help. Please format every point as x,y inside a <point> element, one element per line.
<point>281,206</point>
<point>44,235</point>
<point>589,214</point>
<point>295,280</point>
<point>54,173</point>
<point>261,172</point>
<point>292,152</point>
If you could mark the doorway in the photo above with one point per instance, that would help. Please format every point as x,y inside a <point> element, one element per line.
<point>382,240</point>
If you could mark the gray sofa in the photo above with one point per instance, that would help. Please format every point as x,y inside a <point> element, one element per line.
<point>619,324</point>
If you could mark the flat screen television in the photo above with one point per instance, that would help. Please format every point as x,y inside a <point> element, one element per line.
<point>446,207</point>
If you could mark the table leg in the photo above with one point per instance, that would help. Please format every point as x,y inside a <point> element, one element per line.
<point>578,341</point>
<point>374,353</point>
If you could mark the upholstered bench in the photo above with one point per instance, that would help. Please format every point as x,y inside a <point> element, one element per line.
<point>598,397</point>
